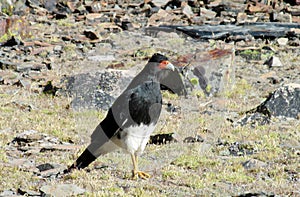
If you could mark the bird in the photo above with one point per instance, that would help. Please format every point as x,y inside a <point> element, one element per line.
<point>131,119</point>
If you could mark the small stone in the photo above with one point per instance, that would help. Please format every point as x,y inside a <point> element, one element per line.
<point>8,193</point>
<point>7,65</point>
<point>191,139</point>
<point>58,48</point>
<point>274,62</point>
<point>100,58</point>
<point>245,18</point>
<point>253,164</point>
<point>187,10</point>
<point>27,192</point>
<point>90,34</point>
<point>22,163</point>
<point>45,166</point>
<point>25,83</point>
<point>167,35</point>
<point>49,170</point>
<point>159,3</point>
<point>281,17</point>
<point>127,25</point>
<point>207,13</point>
<point>117,7</point>
<point>253,120</point>
<point>282,41</point>
<point>61,190</point>
<point>163,138</point>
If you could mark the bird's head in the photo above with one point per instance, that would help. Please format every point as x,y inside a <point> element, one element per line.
<point>165,73</point>
<point>160,62</point>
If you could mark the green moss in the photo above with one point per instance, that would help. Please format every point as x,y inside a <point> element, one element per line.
<point>11,33</point>
<point>208,88</point>
<point>7,9</point>
<point>256,54</point>
<point>169,95</point>
<point>250,54</point>
<point>194,81</point>
<point>4,37</point>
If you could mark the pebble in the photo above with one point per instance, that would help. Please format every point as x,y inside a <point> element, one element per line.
<point>61,190</point>
<point>282,41</point>
<point>58,48</point>
<point>187,10</point>
<point>253,164</point>
<point>274,62</point>
<point>8,193</point>
<point>100,58</point>
<point>159,3</point>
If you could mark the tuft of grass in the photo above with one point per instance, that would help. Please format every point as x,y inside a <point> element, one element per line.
<point>169,95</point>
<point>240,89</point>
<point>171,174</point>
<point>194,162</point>
<point>175,41</point>
<point>143,53</point>
<point>65,23</point>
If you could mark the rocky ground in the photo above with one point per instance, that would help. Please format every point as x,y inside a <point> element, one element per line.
<point>62,64</point>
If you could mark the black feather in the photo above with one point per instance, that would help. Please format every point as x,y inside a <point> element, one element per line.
<point>157,58</point>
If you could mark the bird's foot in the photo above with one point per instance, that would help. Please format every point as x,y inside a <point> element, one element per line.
<point>140,174</point>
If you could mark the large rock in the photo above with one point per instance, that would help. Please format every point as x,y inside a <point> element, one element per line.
<point>94,90</point>
<point>284,102</point>
<point>209,71</point>
<point>268,30</point>
<point>99,90</point>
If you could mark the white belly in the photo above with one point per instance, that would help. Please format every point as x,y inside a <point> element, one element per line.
<point>135,138</point>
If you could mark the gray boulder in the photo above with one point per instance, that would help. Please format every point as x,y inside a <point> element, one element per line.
<point>284,102</point>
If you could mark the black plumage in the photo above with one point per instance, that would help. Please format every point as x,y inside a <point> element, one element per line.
<point>131,119</point>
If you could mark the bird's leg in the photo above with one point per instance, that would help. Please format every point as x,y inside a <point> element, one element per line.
<point>135,172</point>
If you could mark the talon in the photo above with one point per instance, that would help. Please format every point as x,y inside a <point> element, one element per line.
<point>140,174</point>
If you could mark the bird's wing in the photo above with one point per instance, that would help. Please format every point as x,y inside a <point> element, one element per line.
<point>116,117</point>
<point>145,104</point>
<point>108,127</point>
<point>140,105</point>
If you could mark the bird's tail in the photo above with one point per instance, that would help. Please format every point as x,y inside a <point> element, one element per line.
<point>83,161</point>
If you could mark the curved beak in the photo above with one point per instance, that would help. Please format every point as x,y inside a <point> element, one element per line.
<point>166,65</point>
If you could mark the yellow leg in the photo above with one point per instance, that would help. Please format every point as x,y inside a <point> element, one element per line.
<point>135,172</point>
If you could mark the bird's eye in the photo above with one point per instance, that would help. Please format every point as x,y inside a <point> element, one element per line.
<point>163,64</point>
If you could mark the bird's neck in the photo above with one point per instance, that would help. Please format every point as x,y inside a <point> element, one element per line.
<point>145,75</point>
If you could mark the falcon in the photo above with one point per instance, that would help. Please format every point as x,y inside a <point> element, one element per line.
<point>131,118</point>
